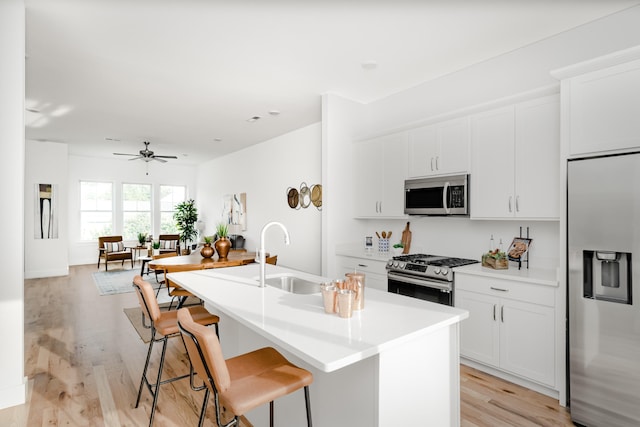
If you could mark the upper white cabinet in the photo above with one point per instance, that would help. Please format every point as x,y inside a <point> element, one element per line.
<point>380,169</point>
<point>515,158</point>
<point>439,149</point>
<point>603,109</point>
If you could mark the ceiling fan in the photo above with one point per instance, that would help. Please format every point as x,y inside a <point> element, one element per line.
<point>147,155</point>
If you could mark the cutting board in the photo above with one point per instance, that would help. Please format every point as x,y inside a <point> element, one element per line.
<point>406,239</point>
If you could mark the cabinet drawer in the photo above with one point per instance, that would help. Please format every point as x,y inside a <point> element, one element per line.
<point>502,288</point>
<point>364,265</point>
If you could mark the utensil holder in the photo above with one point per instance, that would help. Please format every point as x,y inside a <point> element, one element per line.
<point>383,245</point>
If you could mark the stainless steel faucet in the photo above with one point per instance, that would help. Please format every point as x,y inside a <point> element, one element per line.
<point>262,254</point>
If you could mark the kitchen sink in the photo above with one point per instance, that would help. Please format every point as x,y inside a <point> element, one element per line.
<point>293,284</point>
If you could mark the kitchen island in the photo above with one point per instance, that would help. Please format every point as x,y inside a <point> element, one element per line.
<point>396,362</point>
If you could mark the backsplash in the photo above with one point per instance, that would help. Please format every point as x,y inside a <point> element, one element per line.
<point>466,238</point>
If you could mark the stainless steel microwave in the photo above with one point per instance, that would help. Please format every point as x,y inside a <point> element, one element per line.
<point>438,195</point>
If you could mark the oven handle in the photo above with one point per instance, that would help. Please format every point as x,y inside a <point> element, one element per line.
<point>443,286</point>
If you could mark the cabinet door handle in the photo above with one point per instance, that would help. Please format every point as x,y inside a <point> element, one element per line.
<point>510,200</point>
<point>437,166</point>
<point>517,203</point>
<point>377,207</point>
<point>502,314</point>
<point>380,211</point>
<point>499,289</point>
<point>363,265</point>
<point>494,312</point>
<point>432,164</point>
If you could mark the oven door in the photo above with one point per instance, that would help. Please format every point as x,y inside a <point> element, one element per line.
<point>421,288</point>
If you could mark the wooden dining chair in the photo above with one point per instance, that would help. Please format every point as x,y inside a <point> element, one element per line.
<point>163,325</point>
<point>174,290</point>
<point>240,383</point>
<point>271,259</point>
<point>158,271</point>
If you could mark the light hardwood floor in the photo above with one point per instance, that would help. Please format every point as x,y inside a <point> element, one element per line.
<point>84,361</point>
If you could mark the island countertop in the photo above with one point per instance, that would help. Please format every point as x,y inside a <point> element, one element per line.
<point>299,324</point>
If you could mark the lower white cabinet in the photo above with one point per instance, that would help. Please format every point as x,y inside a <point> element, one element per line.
<point>375,272</point>
<point>511,326</point>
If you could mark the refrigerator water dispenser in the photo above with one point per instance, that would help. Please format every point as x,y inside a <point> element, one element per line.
<point>607,276</point>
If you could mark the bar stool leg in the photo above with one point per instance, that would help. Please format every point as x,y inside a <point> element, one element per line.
<point>146,366</point>
<point>307,403</point>
<point>157,385</point>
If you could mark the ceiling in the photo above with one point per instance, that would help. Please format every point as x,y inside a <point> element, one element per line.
<point>105,75</point>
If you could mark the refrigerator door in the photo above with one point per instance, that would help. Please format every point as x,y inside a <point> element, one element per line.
<point>603,209</point>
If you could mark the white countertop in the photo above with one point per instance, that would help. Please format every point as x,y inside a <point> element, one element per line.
<point>299,324</point>
<point>540,276</point>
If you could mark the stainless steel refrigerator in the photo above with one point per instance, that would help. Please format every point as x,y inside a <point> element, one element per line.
<point>603,213</point>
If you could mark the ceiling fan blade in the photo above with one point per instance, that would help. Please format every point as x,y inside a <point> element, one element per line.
<point>165,157</point>
<point>160,160</point>
<point>136,158</point>
<point>124,154</point>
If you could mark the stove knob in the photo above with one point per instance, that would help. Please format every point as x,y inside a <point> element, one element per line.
<point>401,264</point>
<point>396,263</point>
<point>436,270</point>
<point>445,271</point>
<point>390,263</point>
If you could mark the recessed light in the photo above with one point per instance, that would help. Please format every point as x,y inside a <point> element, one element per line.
<point>217,139</point>
<point>274,112</point>
<point>369,65</point>
<point>112,139</point>
<point>254,119</point>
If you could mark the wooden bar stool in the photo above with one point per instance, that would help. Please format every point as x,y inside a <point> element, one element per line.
<point>244,382</point>
<point>165,324</point>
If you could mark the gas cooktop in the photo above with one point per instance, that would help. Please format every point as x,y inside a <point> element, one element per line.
<point>427,266</point>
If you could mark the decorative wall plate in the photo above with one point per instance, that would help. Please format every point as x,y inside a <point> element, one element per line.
<point>316,195</point>
<point>293,198</point>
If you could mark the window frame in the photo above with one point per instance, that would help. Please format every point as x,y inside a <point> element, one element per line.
<point>82,210</point>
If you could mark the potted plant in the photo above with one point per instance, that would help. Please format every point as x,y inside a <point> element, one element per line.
<point>142,238</point>
<point>156,248</point>
<point>223,244</point>
<point>398,248</point>
<point>207,251</point>
<point>186,216</point>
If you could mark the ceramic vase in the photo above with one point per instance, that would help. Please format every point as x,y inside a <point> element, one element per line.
<point>223,245</point>
<point>207,251</point>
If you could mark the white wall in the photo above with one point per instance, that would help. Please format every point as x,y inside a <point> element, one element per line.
<point>12,57</point>
<point>118,171</point>
<point>264,172</point>
<point>46,257</point>
<point>342,120</point>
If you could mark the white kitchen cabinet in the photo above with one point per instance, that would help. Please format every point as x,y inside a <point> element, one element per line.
<point>511,326</point>
<point>375,273</point>
<point>379,172</point>
<point>515,160</point>
<point>439,149</point>
<point>603,109</point>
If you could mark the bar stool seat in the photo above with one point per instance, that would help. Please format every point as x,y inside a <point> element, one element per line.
<point>244,382</point>
<point>164,325</point>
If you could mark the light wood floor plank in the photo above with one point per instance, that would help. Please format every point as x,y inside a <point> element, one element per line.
<point>84,361</point>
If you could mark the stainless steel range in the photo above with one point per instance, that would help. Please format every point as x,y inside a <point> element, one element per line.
<point>427,277</point>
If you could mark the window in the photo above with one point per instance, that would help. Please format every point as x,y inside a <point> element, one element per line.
<point>136,210</point>
<point>96,209</point>
<point>170,196</point>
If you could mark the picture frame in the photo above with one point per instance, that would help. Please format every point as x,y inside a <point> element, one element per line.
<point>518,249</point>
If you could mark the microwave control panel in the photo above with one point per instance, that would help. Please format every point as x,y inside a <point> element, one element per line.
<point>456,196</point>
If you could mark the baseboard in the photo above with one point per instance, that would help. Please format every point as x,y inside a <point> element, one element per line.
<point>37,274</point>
<point>547,391</point>
<point>14,395</point>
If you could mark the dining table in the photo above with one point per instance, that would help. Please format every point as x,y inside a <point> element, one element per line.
<point>236,257</point>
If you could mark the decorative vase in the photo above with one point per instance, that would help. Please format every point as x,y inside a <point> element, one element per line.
<point>156,251</point>
<point>223,245</point>
<point>207,251</point>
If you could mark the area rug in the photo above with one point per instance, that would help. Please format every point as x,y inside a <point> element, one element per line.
<point>115,282</point>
